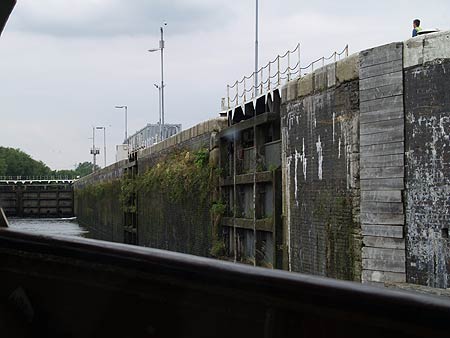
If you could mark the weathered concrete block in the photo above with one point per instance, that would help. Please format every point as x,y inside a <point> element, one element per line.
<point>292,90</point>
<point>305,85</point>
<point>426,48</point>
<point>331,75</point>
<point>284,91</point>
<point>321,79</point>
<point>347,69</point>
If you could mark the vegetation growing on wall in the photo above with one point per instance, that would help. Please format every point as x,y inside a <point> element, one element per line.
<point>181,175</point>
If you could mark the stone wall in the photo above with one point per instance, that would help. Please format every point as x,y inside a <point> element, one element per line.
<point>320,130</point>
<point>427,141</point>
<point>163,221</point>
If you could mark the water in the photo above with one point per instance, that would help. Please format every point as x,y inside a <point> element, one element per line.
<point>53,227</point>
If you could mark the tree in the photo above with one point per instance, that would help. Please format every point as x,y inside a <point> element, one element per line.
<point>14,162</point>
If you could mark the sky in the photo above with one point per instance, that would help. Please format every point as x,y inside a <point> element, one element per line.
<point>66,64</point>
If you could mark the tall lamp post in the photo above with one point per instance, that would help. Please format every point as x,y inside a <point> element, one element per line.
<point>160,112</point>
<point>104,141</point>
<point>161,48</point>
<point>126,120</point>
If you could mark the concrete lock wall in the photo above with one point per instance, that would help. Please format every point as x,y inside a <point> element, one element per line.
<point>182,225</point>
<point>388,107</point>
<point>320,121</point>
<point>365,172</point>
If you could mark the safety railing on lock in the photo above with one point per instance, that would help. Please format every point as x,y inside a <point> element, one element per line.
<point>275,74</point>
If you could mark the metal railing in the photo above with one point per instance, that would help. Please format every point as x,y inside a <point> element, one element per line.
<point>37,178</point>
<point>274,74</point>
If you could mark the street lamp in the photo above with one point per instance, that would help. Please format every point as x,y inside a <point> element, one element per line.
<point>94,150</point>
<point>126,121</point>
<point>104,141</point>
<point>160,128</point>
<point>161,48</point>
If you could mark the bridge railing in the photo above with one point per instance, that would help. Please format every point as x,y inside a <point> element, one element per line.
<point>38,178</point>
<point>274,74</point>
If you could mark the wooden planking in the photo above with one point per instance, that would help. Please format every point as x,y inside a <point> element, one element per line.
<point>382,184</point>
<point>383,276</point>
<point>382,149</point>
<point>383,54</point>
<point>381,80</point>
<point>382,196</point>
<point>380,92</point>
<point>381,69</point>
<point>394,135</point>
<point>393,103</point>
<point>382,219</point>
<point>382,253</point>
<point>380,173</point>
<point>381,115</point>
<point>388,265</point>
<point>383,161</point>
<point>382,126</point>
<point>382,153</point>
<point>382,208</point>
<point>384,242</point>
<point>378,230</point>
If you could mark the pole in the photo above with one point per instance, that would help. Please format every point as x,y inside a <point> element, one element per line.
<point>104,144</point>
<point>93,148</point>
<point>126,122</point>
<point>256,48</point>
<point>162,82</point>
<point>160,114</point>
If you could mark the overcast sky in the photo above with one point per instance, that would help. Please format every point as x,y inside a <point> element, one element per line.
<point>65,64</point>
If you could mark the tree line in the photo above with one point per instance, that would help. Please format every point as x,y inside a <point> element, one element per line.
<point>15,162</point>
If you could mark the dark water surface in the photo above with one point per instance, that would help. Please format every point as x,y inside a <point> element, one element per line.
<point>53,227</point>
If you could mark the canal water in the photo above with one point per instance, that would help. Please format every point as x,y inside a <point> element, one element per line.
<point>53,227</point>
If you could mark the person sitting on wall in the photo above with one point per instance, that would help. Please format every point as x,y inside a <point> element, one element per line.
<point>416,27</point>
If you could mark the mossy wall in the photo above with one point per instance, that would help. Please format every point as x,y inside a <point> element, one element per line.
<point>98,207</point>
<point>321,182</point>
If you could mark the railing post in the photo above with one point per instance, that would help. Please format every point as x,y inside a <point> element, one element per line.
<point>268,84</point>
<point>245,91</point>
<point>237,93</point>
<point>262,81</point>
<point>299,63</point>
<point>228,95</point>
<point>335,55</point>
<point>279,76</point>
<point>289,67</point>
<point>346,51</point>
<point>323,61</point>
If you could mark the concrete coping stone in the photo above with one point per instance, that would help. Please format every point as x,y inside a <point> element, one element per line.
<point>426,48</point>
<point>322,78</point>
<point>202,128</point>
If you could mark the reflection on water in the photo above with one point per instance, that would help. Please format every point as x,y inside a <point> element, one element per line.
<point>52,227</point>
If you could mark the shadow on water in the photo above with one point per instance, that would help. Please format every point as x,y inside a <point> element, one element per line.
<point>52,227</point>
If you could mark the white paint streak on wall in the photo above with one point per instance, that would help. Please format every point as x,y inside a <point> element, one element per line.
<point>320,157</point>
<point>297,157</point>
<point>339,148</point>
<point>334,125</point>
<point>304,160</point>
